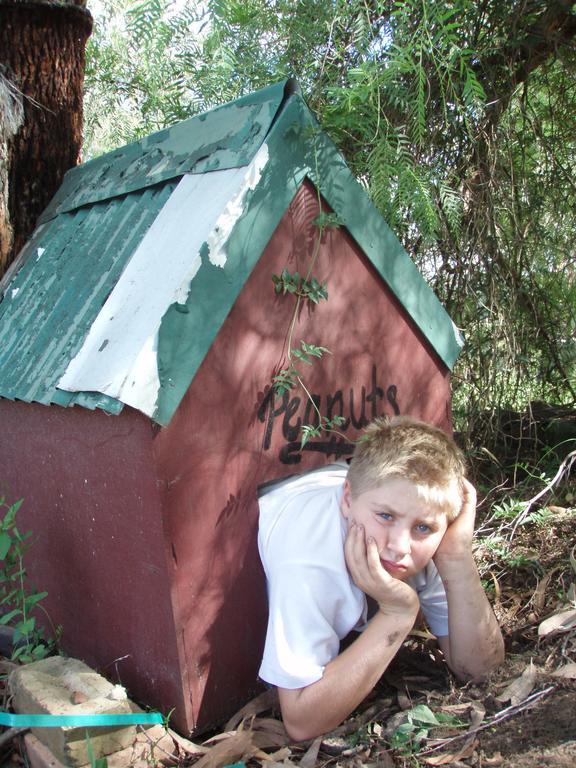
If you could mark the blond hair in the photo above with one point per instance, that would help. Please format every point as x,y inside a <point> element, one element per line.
<point>407,448</point>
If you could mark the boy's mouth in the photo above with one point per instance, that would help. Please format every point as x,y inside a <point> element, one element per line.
<point>393,568</point>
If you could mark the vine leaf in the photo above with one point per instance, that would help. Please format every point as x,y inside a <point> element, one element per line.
<point>308,351</point>
<point>315,430</point>
<point>310,289</point>
<point>308,431</point>
<point>285,380</point>
<point>326,220</point>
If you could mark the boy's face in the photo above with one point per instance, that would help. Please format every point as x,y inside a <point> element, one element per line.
<point>406,529</point>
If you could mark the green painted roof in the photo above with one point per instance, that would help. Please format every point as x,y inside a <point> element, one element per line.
<point>141,254</point>
<point>225,137</point>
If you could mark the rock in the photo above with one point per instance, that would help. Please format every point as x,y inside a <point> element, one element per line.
<point>48,687</point>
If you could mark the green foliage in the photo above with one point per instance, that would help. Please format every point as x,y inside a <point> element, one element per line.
<point>288,378</point>
<point>408,737</point>
<point>327,220</point>
<point>362,736</point>
<point>285,380</point>
<point>508,509</point>
<point>95,762</point>
<point>457,117</point>
<point>17,602</point>
<point>499,546</point>
<point>307,287</point>
<point>324,425</point>
<point>141,69</point>
<point>309,351</point>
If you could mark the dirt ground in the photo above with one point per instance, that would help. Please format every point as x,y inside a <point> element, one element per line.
<point>524,716</point>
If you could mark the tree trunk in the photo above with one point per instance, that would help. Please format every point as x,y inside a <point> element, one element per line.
<point>42,48</point>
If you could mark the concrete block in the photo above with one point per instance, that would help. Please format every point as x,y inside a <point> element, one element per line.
<point>147,750</point>
<point>151,748</point>
<point>59,686</point>
<point>39,756</point>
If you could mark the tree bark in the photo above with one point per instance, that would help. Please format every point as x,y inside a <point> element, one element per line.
<point>42,47</point>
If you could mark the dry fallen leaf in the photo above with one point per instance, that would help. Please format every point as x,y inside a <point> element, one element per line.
<point>539,596</point>
<point>394,722</point>
<point>187,746</point>
<point>233,749</point>
<point>477,713</point>
<point>309,758</point>
<point>451,757</point>
<point>568,670</point>
<point>456,709</point>
<point>475,709</point>
<point>269,732</point>
<point>562,621</point>
<point>521,688</point>
<point>496,759</point>
<point>263,702</point>
<point>404,701</point>
<point>247,741</point>
<point>220,737</point>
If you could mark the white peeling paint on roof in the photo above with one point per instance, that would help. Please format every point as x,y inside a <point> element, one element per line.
<point>217,240</point>
<point>40,252</point>
<point>119,355</point>
<point>141,388</point>
<point>15,292</point>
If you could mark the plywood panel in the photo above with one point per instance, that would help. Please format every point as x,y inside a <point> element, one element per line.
<point>92,504</point>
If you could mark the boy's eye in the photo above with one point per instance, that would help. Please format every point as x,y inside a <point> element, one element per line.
<point>423,528</point>
<point>384,515</point>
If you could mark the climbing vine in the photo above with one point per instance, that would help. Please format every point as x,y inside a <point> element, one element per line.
<point>305,288</point>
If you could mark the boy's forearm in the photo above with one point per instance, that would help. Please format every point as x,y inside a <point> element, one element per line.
<point>474,646</point>
<point>347,679</point>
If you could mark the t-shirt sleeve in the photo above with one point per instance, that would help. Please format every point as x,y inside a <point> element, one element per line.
<point>312,601</point>
<point>300,639</point>
<point>433,601</point>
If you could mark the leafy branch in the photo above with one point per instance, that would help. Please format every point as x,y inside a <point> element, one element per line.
<point>17,601</point>
<point>307,288</point>
<point>289,378</point>
<point>302,287</point>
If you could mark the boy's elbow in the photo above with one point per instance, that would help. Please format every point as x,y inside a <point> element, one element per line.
<point>493,659</point>
<point>301,721</point>
<point>298,732</point>
<point>496,657</point>
<point>478,669</point>
<point>300,726</point>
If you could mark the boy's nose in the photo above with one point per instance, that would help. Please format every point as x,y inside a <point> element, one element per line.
<point>398,542</point>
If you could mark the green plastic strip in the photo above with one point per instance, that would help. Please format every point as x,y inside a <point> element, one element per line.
<point>76,721</point>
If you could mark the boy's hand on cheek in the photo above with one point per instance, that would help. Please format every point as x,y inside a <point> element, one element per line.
<point>363,561</point>
<point>457,540</point>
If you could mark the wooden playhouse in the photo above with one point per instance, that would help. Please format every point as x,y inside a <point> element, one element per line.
<point>139,333</point>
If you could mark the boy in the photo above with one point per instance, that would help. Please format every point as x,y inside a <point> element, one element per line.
<point>396,526</point>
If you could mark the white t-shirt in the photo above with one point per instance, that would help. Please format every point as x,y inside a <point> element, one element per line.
<point>313,602</point>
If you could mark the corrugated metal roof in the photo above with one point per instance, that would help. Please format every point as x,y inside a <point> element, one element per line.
<point>119,355</point>
<point>225,137</point>
<point>67,271</point>
<point>125,284</point>
<point>89,233</point>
